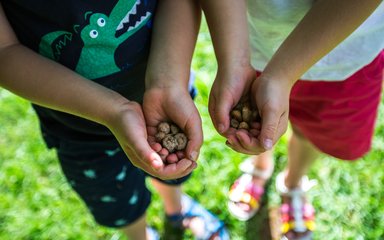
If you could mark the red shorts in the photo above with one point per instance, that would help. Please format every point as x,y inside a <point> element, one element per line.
<point>339,117</point>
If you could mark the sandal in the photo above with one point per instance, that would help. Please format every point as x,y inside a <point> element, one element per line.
<point>297,215</point>
<point>245,195</point>
<point>211,227</point>
<point>152,234</point>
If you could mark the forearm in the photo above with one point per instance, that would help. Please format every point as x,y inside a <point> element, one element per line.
<point>49,84</point>
<point>174,37</point>
<point>327,24</point>
<point>227,21</point>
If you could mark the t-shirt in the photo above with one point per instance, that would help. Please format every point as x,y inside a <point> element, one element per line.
<point>104,41</point>
<point>271,21</point>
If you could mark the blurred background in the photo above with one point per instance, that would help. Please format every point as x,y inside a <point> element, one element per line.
<point>37,203</point>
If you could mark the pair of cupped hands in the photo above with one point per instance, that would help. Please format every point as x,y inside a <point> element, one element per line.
<point>136,125</point>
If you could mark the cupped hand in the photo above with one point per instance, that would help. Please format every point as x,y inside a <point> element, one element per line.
<point>271,97</point>
<point>129,128</point>
<point>229,87</point>
<point>175,105</point>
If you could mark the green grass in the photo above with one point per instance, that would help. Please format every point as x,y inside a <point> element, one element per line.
<point>37,203</point>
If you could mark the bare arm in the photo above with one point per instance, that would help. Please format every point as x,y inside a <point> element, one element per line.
<point>174,37</point>
<point>327,24</point>
<point>227,21</point>
<point>167,97</point>
<point>50,84</point>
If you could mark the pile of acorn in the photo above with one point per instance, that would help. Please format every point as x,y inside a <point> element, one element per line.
<point>243,115</point>
<point>170,137</point>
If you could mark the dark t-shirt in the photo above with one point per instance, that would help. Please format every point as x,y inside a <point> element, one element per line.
<point>105,41</point>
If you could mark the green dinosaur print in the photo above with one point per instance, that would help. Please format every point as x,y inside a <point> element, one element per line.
<point>97,57</point>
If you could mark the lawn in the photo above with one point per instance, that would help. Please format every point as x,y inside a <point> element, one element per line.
<point>37,203</point>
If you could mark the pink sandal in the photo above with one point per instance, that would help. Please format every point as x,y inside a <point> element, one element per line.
<point>297,215</point>
<point>245,195</point>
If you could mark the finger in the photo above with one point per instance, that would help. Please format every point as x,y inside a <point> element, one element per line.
<point>163,154</point>
<point>270,122</point>
<point>156,147</point>
<point>146,154</point>
<point>245,151</point>
<point>254,132</point>
<point>219,109</point>
<point>256,125</point>
<point>191,168</point>
<point>249,143</point>
<point>235,144</point>
<point>180,154</point>
<point>172,158</point>
<point>137,162</point>
<point>194,132</point>
<point>177,170</point>
<point>151,130</point>
<point>244,138</point>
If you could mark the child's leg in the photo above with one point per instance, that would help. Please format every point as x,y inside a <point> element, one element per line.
<point>171,196</point>
<point>263,162</point>
<point>301,155</point>
<point>136,230</point>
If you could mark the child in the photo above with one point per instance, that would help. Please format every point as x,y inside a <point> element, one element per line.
<point>331,110</point>
<point>96,56</point>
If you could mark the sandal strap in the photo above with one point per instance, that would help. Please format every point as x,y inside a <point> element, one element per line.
<point>290,223</point>
<point>297,211</point>
<point>243,190</point>
<point>212,225</point>
<point>247,166</point>
<point>304,186</point>
<point>299,216</point>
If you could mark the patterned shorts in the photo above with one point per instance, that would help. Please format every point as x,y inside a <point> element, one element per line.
<point>113,189</point>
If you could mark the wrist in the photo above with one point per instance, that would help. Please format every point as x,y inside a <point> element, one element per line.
<point>238,59</point>
<point>280,79</point>
<point>235,73</point>
<point>114,109</point>
<point>167,81</point>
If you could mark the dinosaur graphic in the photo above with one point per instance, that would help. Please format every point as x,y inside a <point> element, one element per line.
<point>97,57</point>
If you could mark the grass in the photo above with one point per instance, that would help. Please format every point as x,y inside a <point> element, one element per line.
<point>37,203</point>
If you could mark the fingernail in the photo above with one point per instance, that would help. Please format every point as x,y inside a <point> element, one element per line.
<point>194,155</point>
<point>221,128</point>
<point>267,144</point>
<point>156,164</point>
<point>194,167</point>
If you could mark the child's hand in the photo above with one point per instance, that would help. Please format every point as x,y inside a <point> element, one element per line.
<point>174,104</point>
<point>129,128</point>
<point>271,97</point>
<point>227,90</point>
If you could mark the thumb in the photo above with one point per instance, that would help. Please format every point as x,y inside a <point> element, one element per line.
<point>269,125</point>
<point>147,156</point>
<point>219,109</point>
<point>195,135</point>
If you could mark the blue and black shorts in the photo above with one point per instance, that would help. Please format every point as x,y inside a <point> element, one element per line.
<point>113,189</point>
